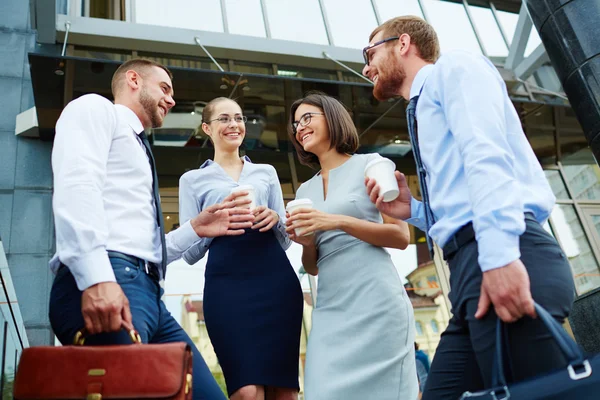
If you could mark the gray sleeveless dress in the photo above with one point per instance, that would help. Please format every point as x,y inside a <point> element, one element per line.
<point>361,345</point>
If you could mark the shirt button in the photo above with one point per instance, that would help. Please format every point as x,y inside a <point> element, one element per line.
<point>127,269</point>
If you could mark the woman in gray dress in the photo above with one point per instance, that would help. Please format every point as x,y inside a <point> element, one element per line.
<point>361,343</point>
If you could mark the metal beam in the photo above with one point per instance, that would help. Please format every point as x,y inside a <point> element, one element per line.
<point>516,53</point>
<point>529,65</point>
<point>43,20</point>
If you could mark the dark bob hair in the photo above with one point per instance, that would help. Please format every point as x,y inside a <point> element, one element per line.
<point>342,132</point>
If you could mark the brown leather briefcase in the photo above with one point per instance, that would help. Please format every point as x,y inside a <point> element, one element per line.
<point>138,371</point>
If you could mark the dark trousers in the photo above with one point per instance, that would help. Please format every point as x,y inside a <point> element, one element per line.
<point>150,317</point>
<point>466,352</point>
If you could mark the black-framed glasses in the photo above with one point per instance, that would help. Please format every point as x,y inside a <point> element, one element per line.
<point>304,120</point>
<point>369,47</point>
<point>226,119</point>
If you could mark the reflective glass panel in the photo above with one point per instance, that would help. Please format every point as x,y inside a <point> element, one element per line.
<point>200,15</point>
<point>489,32</point>
<point>393,8</point>
<point>419,328</point>
<point>350,26</point>
<point>245,17</point>
<point>584,181</point>
<point>300,22</point>
<point>556,183</point>
<point>577,248</point>
<point>452,25</point>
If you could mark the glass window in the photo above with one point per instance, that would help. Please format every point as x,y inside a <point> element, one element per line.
<point>509,24</point>
<point>350,26</point>
<point>419,327</point>
<point>199,15</point>
<point>557,184</point>
<point>489,32</point>
<point>584,181</point>
<point>389,9</point>
<point>62,7</point>
<point>245,17</point>
<point>289,19</point>
<point>434,326</point>
<point>452,25</point>
<point>577,248</point>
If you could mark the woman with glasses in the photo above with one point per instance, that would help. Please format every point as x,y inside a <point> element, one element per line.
<point>252,297</point>
<point>361,341</point>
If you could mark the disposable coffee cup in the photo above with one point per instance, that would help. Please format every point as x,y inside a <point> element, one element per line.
<point>382,170</point>
<point>251,195</point>
<point>296,205</point>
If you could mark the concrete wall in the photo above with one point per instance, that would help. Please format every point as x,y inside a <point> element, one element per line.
<point>26,225</point>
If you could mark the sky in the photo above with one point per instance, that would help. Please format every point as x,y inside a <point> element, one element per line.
<point>185,279</point>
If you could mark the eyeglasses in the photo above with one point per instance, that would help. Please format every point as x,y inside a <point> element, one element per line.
<point>304,120</point>
<point>226,119</point>
<point>369,47</point>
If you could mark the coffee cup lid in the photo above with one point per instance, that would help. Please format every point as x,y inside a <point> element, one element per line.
<point>242,188</point>
<point>379,160</point>
<point>299,202</point>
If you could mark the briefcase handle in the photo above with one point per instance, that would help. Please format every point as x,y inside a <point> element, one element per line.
<point>578,368</point>
<point>82,334</point>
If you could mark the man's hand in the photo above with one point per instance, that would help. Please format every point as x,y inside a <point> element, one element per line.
<point>507,288</point>
<point>105,308</point>
<point>264,219</point>
<point>399,208</point>
<point>229,217</point>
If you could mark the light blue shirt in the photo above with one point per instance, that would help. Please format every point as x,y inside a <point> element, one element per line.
<point>210,184</point>
<point>480,166</point>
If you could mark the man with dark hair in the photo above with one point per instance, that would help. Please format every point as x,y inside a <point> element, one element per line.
<point>111,250</point>
<point>485,198</point>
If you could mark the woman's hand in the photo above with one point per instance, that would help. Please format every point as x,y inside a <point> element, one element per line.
<point>311,220</point>
<point>264,218</point>
<point>306,240</point>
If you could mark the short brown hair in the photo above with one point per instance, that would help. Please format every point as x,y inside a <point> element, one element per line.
<point>342,132</point>
<point>422,35</point>
<point>139,65</point>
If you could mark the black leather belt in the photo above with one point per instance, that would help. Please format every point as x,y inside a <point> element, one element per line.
<point>465,235</point>
<point>150,268</point>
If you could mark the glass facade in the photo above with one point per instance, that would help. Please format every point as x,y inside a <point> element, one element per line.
<point>13,337</point>
<point>266,90</point>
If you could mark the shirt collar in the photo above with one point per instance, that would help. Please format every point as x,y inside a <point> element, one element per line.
<point>210,162</point>
<point>419,80</point>
<point>129,116</point>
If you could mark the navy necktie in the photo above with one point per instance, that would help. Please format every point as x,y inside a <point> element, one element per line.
<point>414,141</point>
<point>159,217</point>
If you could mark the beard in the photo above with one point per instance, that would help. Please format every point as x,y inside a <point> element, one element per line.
<point>389,81</point>
<point>150,107</point>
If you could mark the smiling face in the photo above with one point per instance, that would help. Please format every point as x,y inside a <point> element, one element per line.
<point>385,69</point>
<point>224,125</point>
<point>312,132</point>
<point>155,96</point>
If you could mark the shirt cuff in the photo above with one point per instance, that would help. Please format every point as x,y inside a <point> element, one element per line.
<point>184,236</point>
<point>417,216</point>
<point>497,249</point>
<point>93,268</point>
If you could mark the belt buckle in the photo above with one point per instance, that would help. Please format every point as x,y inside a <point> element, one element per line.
<point>146,267</point>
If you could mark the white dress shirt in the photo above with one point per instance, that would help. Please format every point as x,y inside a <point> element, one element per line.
<point>480,166</point>
<point>103,192</point>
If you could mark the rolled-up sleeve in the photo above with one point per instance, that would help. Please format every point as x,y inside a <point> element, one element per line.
<point>82,144</point>
<point>188,209</point>
<point>276,204</point>
<point>473,99</point>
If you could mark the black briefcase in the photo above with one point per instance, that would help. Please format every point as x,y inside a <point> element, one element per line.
<point>580,380</point>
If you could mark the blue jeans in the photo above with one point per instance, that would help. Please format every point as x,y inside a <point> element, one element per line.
<point>150,317</point>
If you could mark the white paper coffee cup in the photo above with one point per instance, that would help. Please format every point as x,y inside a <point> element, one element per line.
<point>251,194</point>
<point>382,170</point>
<point>296,205</point>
